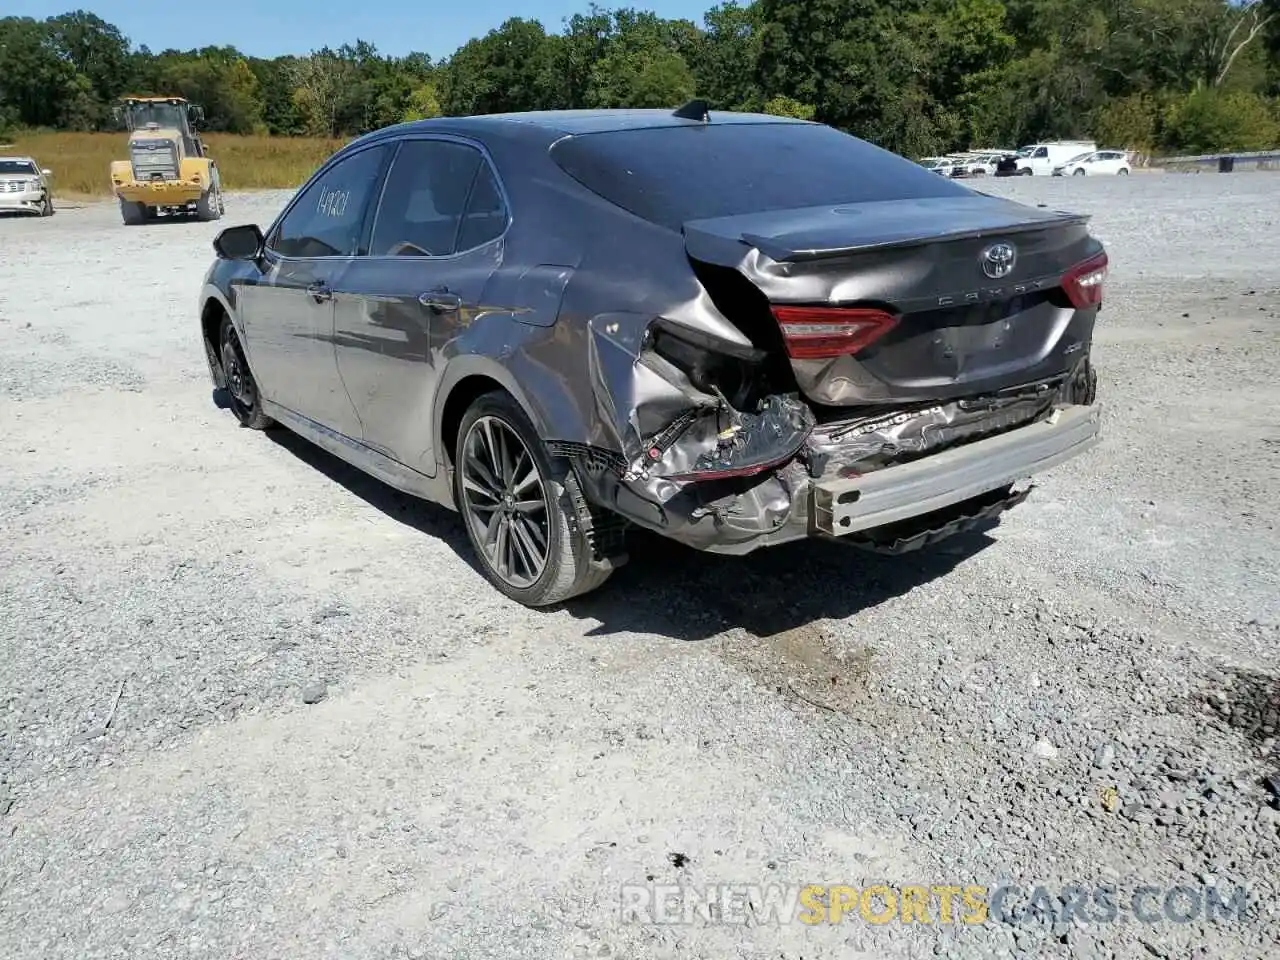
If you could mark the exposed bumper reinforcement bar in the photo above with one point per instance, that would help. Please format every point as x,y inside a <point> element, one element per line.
<point>951,476</point>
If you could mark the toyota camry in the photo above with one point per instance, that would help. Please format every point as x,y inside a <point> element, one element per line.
<point>734,330</point>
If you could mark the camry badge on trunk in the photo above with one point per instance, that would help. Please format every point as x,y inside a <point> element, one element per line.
<point>998,260</point>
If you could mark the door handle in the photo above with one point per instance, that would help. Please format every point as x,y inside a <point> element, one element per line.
<point>320,292</point>
<point>440,300</point>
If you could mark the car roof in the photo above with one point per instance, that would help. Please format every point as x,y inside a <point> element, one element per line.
<point>603,121</point>
<point>23,159</point>
<point>549,125</point>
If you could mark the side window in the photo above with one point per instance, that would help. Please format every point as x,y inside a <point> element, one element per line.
<point>328,218</point>
<point>486,215</point>
<point>423,203</point>
<point>1041,152</point>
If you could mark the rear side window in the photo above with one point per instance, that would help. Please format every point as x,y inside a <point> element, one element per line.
<point>669,175</point>
<point>328,218</point>
<point>486,216</point>
<point>426,196</point>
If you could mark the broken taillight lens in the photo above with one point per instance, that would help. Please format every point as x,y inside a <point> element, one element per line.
<point>818,333</point>
<point>1083,283</point>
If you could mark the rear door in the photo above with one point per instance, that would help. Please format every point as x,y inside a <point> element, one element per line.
<point>288,314</point>
<point>436,239</point>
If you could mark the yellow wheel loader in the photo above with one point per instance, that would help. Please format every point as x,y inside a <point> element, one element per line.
<point>169,169</point>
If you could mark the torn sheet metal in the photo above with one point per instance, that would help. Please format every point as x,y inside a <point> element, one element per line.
<point>724,443</point>
<point>716,476</point>
<point>869,443</point>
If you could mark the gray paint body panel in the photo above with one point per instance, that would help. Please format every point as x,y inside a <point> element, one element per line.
<point>561,312</point>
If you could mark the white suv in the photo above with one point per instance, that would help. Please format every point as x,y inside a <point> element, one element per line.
<point>24,186</point>
<point>1101,162</point>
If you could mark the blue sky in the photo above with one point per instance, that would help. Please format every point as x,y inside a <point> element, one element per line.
<point>266,28</point>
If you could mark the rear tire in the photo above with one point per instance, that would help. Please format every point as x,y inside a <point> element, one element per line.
<point>132,213</point>
<point>517,507</point>
<point>1122,172</point>
<point>246,402</point>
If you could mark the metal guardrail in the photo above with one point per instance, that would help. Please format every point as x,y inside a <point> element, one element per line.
<point>1226,162</point>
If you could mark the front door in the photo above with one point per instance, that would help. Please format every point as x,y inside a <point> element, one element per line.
<point>436,240</point>
<point>288,313</point>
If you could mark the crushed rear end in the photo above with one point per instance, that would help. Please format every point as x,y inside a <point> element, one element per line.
<point>889,372</point>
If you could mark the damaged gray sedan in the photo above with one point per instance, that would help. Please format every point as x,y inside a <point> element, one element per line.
<point>734,330</point>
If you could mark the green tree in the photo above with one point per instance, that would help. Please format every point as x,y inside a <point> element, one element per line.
<point>1130,122</point>
<point>319,81</point>
<point>1208,120</point>
<point>786,107</point>
<point>37,85</point>
<point>510,68</point>
<point>423,103</point>
<point>724,57</point>
<point>99,54</point>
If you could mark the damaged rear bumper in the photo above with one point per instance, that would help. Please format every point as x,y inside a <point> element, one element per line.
<point>897,493</point>
<point>890,508</point>
<point>695,467</point>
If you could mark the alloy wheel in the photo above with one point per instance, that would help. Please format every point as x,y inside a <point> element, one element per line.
<point>505,501</point>
<point>240,383</point>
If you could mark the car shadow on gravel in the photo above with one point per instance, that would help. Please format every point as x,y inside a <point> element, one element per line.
<point>669,590</point>
<point>672,591</point>
<point>1248,701</point>
<point>426,517</point>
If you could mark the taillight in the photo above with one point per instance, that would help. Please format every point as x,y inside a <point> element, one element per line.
<point>818,333</point>
<point>1083,283</point>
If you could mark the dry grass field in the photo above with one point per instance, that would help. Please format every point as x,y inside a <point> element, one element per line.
<point>80,161</point>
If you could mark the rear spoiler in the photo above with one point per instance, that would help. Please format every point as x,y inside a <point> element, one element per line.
<point>780,250</point>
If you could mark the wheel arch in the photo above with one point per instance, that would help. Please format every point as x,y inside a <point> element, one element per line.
<point>213,310</point>
<point>466,379</point>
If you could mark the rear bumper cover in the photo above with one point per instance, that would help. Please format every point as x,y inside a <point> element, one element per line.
<point>894,507</point>
<point>951,476</point>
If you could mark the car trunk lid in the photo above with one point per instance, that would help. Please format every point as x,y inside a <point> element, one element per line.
<point>934,298</point>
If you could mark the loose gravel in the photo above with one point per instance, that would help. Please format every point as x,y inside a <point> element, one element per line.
<point>254,704</point>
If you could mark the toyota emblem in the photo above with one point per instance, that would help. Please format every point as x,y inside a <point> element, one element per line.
<point>998,260</point>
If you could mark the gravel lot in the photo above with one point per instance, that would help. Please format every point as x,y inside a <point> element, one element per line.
<point>1087,694</point>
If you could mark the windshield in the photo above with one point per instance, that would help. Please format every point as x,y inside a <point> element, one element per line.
<point>17,166</point>
<point>170,115</point>
<point>669,175</point>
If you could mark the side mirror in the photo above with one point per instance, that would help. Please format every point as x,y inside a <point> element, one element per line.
<point>239,243</point>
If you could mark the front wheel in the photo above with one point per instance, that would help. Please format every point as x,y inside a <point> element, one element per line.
<point>518,509</point>
<point>1122,172</point>
<point>46,208</point>
<point>246,403</point>
<point>1078,173</point>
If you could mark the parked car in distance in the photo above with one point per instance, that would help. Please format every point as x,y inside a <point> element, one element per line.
<point>24,187</point>
<point>1007,165</point>
<point>1041,158</point>
<point>982,163</point>
<point>1102,163</point>
<point>565,325</point>
<point>943,166</point>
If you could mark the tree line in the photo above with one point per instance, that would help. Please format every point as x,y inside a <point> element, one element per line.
<point>916,76</point>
